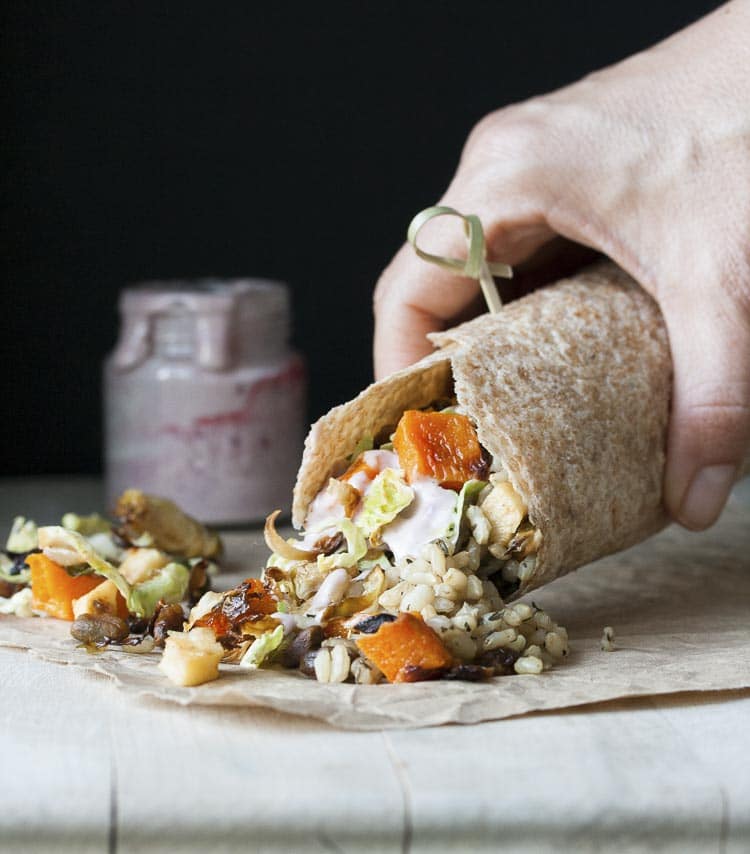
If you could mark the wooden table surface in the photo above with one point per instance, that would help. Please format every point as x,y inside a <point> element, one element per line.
<point>85,767</point>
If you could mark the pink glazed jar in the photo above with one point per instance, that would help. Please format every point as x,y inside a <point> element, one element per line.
<point>204,401</point>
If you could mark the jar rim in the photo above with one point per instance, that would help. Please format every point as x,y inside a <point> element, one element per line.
<point>208,294</point>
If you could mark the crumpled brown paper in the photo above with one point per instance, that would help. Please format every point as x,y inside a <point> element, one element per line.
<point>679,605</point>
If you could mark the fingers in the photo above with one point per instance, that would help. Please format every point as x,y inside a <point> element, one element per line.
<point>709,434</point>
<point>403,318</point>
<point>501,179</point>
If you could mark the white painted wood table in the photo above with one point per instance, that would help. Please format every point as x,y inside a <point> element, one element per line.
<point>85,767</point>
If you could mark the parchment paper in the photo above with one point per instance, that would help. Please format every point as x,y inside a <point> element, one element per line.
<point>679,604</point>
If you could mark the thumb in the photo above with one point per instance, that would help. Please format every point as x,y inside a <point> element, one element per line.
<point>709,431</point>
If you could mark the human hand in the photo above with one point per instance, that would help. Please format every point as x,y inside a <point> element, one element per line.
<point>649,163</point>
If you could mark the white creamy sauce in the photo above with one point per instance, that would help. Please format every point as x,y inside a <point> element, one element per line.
<point>360,481</point>
<point>426,519</point>
<point>324,510</point>
<point>380,460</point>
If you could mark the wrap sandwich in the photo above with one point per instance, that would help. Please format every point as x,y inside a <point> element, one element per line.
<point>530,443</point>
<point>568,389</point>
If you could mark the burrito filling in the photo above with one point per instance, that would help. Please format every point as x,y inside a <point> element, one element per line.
<point>398,576</point>
<point>403,562</point>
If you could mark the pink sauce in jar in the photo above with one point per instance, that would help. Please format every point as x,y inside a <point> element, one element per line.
<point>204,400</point>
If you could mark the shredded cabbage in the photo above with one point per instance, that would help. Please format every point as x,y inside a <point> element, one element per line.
<point>355,544</point>
<point>387,496</point>
<point>262,647</point>
<point>468,495</point>
<point>169,584</point>
<point>23,536</point>
<point>364,444</point>
<point>282,562</point>
<point>6,573</point>
<point>56,541</point>
<point>86,525</point>
<point>370,563</point>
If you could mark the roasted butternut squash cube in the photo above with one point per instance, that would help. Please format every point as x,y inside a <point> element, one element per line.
<point>441,445</point>
<point>406,650</point>
<point>53,589</point>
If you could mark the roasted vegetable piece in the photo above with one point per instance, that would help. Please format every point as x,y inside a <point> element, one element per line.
<point>168,528</point>
<point>99,629</point>
<point>54,590</point>
<point>307,640</point>
<point>248,604</point>
<point>370,624</point>
<point>307,663</point>
<point>406,650</point>
<point>199,580</point>
<point>500,660</point>
<point>168,618</point>
<point>7,589</point>
<point>441,445</point>
<point>278,545</point>
<point>469,673</point>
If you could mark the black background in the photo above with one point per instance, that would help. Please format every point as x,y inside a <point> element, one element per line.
<point>292,140</point>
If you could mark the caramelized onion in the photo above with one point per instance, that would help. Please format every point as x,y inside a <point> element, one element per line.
<point>280,546</point>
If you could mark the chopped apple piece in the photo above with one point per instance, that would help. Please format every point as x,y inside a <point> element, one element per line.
<point>102,598</point>
<point>191,658</point>
<point>140,564</point>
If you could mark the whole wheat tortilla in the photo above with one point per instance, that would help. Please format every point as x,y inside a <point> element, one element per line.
<point>568,386</point>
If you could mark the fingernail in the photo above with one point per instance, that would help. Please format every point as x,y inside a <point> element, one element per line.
<point>704,500</point>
